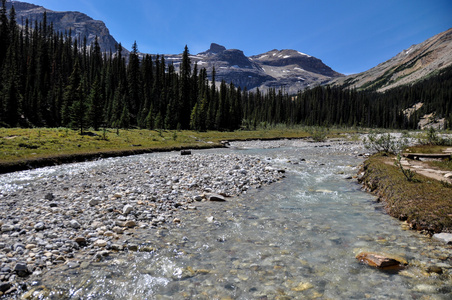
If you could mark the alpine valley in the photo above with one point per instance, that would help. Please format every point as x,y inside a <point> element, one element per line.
<point>287,69</point>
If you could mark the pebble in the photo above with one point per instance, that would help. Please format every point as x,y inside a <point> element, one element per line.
<point>99,208</point>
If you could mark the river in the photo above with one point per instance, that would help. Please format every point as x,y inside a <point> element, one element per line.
<point>294,239</point>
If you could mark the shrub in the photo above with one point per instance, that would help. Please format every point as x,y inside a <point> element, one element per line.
<point>385,143</point>
<point>318,134</point>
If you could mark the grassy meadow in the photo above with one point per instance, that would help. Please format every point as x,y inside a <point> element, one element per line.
<point>24,147</point>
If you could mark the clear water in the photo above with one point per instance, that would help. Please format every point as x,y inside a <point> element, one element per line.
<point>295,239</point>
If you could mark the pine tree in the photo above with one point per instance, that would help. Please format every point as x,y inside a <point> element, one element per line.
<point>134,81</point>
<point>184,105</point>
<point>95,105</point>
<point>78,110</point>
<point>71,94</point>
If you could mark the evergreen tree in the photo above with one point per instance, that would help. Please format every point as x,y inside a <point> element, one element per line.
<point>71,95</point>
<point>134,81</point>
<point>95,110</point>
<point>79,107</point>
<point>184,105</point>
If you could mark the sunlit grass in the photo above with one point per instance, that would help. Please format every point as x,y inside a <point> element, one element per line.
<point>22,144</point>
<point>18,144</point>
<point>425,203</point>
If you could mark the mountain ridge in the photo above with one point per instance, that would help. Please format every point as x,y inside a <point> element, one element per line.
<point>78,23</point>
<point>297,73</point>
<point>286,69</point>
<point>408,66</point>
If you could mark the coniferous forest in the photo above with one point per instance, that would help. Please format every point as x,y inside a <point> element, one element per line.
<point>49,79</point>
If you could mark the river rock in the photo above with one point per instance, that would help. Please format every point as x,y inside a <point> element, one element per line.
<point>127,209</point>
<point>130,223</point>
<point>379,260</point>
<point>197,198</point>
<point>80,240</point>
<point>81,210</point>
<point>443,237</point>
<point>74,224</point>
<point>7,227</point>
<point>215,197</point>
<point>4,286</point>
<point>39,226</point>
<point>118,230</point>
<point>21,269</point>
<point>100,243</point>
<point>94,202</point>
<point>49,196</point>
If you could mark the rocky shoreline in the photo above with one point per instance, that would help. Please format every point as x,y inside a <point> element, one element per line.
<point>76,218</point>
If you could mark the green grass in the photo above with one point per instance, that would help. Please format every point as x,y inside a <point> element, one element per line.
<point>426,204</point>
<point>22,148</point>
<point>18,144</point>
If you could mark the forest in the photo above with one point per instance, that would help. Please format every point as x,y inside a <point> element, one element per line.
<point>49,79</point>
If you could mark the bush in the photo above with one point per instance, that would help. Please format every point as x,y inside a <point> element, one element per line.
<point>318,134</point>
<point>385,143</point>
<point>431,137</point>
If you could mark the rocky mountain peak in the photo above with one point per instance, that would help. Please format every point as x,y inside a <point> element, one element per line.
<point>286,57</point>
<point>215,48</point>
<point>78,23</point>
<point>290,69</point>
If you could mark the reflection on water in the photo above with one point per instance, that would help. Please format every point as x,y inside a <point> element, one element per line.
<point>292,240</point>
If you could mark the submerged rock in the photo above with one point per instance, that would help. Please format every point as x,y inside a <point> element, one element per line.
<point>380,260</point>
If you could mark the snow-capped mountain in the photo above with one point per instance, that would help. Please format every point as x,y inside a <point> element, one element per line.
<point>288,69</point>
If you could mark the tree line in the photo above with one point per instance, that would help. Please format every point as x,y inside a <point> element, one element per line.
<point>49,79</point>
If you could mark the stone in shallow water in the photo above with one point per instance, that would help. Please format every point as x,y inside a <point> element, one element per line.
<point>443,237</point>
<point>380,260</point>
<point>302,286</point>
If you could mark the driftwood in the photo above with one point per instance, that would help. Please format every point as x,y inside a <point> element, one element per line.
<point>417,156</point>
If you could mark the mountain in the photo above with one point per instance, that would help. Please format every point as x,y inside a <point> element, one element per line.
<point>288,69</point>
<point>79,23</point>
<point>293,70</point>
<point>417,62</point>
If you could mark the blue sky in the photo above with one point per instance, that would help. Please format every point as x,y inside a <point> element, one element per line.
<point>350,36</point>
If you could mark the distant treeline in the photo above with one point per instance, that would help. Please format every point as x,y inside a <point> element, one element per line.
<point>49,79</point>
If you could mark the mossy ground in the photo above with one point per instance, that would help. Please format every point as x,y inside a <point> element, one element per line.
<point>426,204</point>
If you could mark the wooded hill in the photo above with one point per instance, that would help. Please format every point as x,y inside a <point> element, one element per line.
<point>49,79</point>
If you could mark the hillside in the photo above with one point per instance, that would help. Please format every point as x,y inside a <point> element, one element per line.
<point>417,62</point>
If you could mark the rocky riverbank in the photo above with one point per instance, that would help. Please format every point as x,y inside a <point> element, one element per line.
<point>83,216</point>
